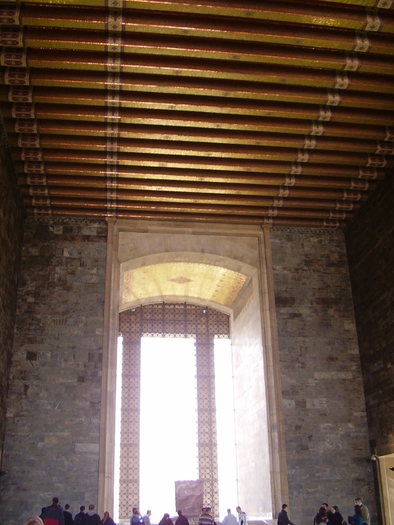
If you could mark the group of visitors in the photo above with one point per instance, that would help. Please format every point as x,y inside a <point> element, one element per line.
<point>327,516</point>
<point>324,515</point>
<point>230,519</point>
<point>205,518</point>
<point>54,514</point>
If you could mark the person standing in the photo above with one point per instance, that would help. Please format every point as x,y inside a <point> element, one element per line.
<point>107,520</point>
<point>181,520</point>
<point>91,517</point>
<point>230,519</point>
<point>364,511</point>
<point>283,518</point>
<point>78,517</point>
<point>68,517</point>
<point>336,516</point>
<point>320,517</point>
<point>165,520</point>
<point>146,518</point>
<point>357,518</point>
<point>241,516</point>
<point>136,517</point>
<point>327,510</point>
<point>206,517</point>
<point>53,514</point>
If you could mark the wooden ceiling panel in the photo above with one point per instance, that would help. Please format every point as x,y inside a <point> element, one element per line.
<point>276,112</point>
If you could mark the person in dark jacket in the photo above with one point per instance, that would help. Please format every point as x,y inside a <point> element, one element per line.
<point>336,517</point>
<point>53,515</point>
<point>320,517</point>
<point>181,520</point>
<point>78,517</point>
<point>165,520</point>
<point>283,518</point>
<point>68,517</point>
<point>91,517</point>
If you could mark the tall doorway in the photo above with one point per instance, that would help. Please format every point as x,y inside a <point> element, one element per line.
<point>199,327</point>
<point>228,271</point>
<point>168,421</point>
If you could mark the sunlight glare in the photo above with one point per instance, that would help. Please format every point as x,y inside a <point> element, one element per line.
<point>168,450</point>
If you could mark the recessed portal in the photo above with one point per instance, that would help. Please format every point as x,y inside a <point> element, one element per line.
<point>261,463</point>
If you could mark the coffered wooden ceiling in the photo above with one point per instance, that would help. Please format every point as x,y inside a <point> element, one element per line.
<point>257,112</point>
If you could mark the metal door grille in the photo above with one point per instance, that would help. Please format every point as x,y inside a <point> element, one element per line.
<point>169,320</point>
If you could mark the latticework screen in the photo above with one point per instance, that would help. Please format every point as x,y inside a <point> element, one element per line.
<point>169,320</point>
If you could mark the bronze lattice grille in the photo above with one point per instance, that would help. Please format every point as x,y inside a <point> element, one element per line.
<point>169,320</point>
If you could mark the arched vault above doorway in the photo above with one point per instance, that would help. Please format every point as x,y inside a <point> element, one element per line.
<point>189,280</point>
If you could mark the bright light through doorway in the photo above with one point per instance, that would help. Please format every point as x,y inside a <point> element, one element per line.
<point>225,427</point>
<point>168,445</point>
<point>168,428</point>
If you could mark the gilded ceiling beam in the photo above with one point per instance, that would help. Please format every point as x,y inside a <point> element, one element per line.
<point>85,45</point>
<point>214,209</point>
<point>287,116</point>
<point>258,99</point>
<point>210,18</point>
<point>57,132</point>
<point>85,174</point>
<point>184,148</point>
<point>182,216</point>
<point>282,187</point>
<point>174,160</point>
<point>94,74</point>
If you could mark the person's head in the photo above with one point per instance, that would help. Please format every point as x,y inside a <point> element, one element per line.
<point>208,509</point>
<point>91,507</point>
<point>55,501</point>
<point>179,512</point>
<point>106,516</point>
<point>166,516</point>
<point>239,509</point>
<point>228,511</point>
<point>325,506</point>
<point>148,512</point>
<point>335,509</point>
<point>358,502</point>
<point>82,508</point>
<point>34,520</point>
<point>67,506</point>
<point>284,507</point>
<point>357,510</point>
<point>136,511</point>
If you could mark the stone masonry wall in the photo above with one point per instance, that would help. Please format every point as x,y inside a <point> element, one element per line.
<point>370,248</point>
<point>11,235</point>
<point>324,409</point>
<point>52,433</point>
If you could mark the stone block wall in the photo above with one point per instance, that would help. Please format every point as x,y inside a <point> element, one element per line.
<point>324,409</point>
<point>370,249</point>
<point>52,432</point>
<point>11,235</point>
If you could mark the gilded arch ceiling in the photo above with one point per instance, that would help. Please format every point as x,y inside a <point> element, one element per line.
<point>205,282</point>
